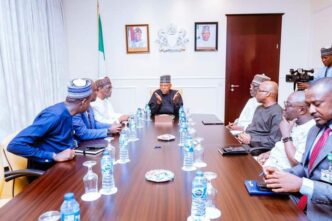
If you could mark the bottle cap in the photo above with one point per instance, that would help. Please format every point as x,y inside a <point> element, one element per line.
<point>199,173</point>
<point>329,157</point>
<point>69,196</point>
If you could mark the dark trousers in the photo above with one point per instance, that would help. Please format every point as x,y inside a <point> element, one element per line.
<point>34,165</point>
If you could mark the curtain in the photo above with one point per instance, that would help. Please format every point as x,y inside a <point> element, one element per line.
<point>33,60</point>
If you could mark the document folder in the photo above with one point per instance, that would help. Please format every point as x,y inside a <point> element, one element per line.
<point>254,190</point>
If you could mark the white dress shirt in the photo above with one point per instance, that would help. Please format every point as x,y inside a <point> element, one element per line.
<point>104,112</point>
<point>247,113</point>
<point>278,157</point>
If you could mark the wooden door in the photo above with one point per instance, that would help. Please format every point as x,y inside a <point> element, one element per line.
<point>253,46</point>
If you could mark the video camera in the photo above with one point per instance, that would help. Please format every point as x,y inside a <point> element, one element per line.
<point>299,75</point>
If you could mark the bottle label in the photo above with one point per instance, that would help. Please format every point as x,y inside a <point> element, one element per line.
<point>198,201</point>
<point>71,216</point>
<point>106,167</point>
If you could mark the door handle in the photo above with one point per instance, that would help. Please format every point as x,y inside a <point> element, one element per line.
<point>234,86</point>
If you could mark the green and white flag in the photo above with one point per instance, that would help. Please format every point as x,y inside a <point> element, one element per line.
<point>101,52</point>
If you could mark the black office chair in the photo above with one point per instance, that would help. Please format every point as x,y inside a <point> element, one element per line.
<point>255,151</point>
<point>17,165</point>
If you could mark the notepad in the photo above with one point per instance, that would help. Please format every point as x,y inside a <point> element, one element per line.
<point>92,150</point>
<point>238,150</point>
<point>254,190</point>
<point>212,120</point>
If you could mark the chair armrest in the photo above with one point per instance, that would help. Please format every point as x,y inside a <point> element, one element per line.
<point>10,175</point>
<point>255,151</point>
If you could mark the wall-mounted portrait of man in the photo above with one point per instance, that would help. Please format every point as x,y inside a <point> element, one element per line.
<point>137,38</point>
<point>206,36</point>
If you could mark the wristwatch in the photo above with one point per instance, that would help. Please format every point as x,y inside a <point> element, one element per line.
<point>286,139</point>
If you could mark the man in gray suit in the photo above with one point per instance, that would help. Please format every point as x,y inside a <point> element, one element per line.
<point>311,177</point>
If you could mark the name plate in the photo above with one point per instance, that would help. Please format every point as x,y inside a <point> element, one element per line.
<point>163,120</point>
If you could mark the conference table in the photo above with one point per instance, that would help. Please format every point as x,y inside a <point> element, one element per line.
<point>139,199</point>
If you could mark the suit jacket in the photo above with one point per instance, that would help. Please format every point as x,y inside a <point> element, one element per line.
<point>320,205</point>
<point>167,106</point>
<point>87,128</point>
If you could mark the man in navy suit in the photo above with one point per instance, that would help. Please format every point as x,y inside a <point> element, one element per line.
<point>87,128</point>
<point>311,177</point>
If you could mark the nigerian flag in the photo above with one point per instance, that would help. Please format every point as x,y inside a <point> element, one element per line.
<point>101,52</point>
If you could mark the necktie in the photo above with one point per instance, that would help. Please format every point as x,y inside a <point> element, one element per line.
<point>314,154</point>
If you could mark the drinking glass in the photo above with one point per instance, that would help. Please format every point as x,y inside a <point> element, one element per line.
<point>90,181</point>
<point>110,148</point>
<point>50,216</point>
<point>199,153</point>
<point>189,118</point>
<point>211,211</point>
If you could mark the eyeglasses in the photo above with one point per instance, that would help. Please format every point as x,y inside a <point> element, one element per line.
<point>259,90</point>
<point>254,85</point>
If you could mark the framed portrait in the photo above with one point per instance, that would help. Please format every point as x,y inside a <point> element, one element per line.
<point>137,38</point>
<point>206,36</point>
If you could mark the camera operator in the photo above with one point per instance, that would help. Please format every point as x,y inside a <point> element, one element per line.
<point>326,71</point>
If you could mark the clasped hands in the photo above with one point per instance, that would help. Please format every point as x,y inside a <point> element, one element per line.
<point>280,181</point>
<point>244,138</point>
<point>160,100</point>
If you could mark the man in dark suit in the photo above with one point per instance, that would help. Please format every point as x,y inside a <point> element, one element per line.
<point>311,177</point>
<point>165,100</point>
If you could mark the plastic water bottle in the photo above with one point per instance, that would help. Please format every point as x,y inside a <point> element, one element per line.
<point>124,155</point>
<point>181,109</point>
<point>183,134</point>
<point>132,129</point>
<point>147,112</point>
<point>70,209</point>
<point>198,194</point>
<point>140,118</point>
<point>108,186</point>
<point>188,156</point>
<point>182,117</point>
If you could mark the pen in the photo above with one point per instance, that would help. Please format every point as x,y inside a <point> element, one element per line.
<point>262,174</point>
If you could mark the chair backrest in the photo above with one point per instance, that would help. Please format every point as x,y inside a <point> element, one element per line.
<point>14,162</point>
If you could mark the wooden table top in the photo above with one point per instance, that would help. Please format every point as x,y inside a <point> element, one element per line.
<point>138,199</point>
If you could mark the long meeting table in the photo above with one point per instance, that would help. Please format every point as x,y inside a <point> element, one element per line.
<point>139,199</point>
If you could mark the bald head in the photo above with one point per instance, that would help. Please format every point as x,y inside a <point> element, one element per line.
<point>322,86</point>
<point>267,92</point>
<point>270,86</point>
<point>297,97</point>
<point>319,99</point>
<point>296,108</point>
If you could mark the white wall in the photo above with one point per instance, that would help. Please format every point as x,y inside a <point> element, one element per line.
<point>200,74</point>
<point>321,29</point>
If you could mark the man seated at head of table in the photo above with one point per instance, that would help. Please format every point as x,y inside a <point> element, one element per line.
<point>50,137</point>
<point>248,111</point>
<point>263,132</point>
<point>294,128</point>
<point>311,177</point>
<point>86,127</point>
<point>165,100</point>
<point>102,106</point>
